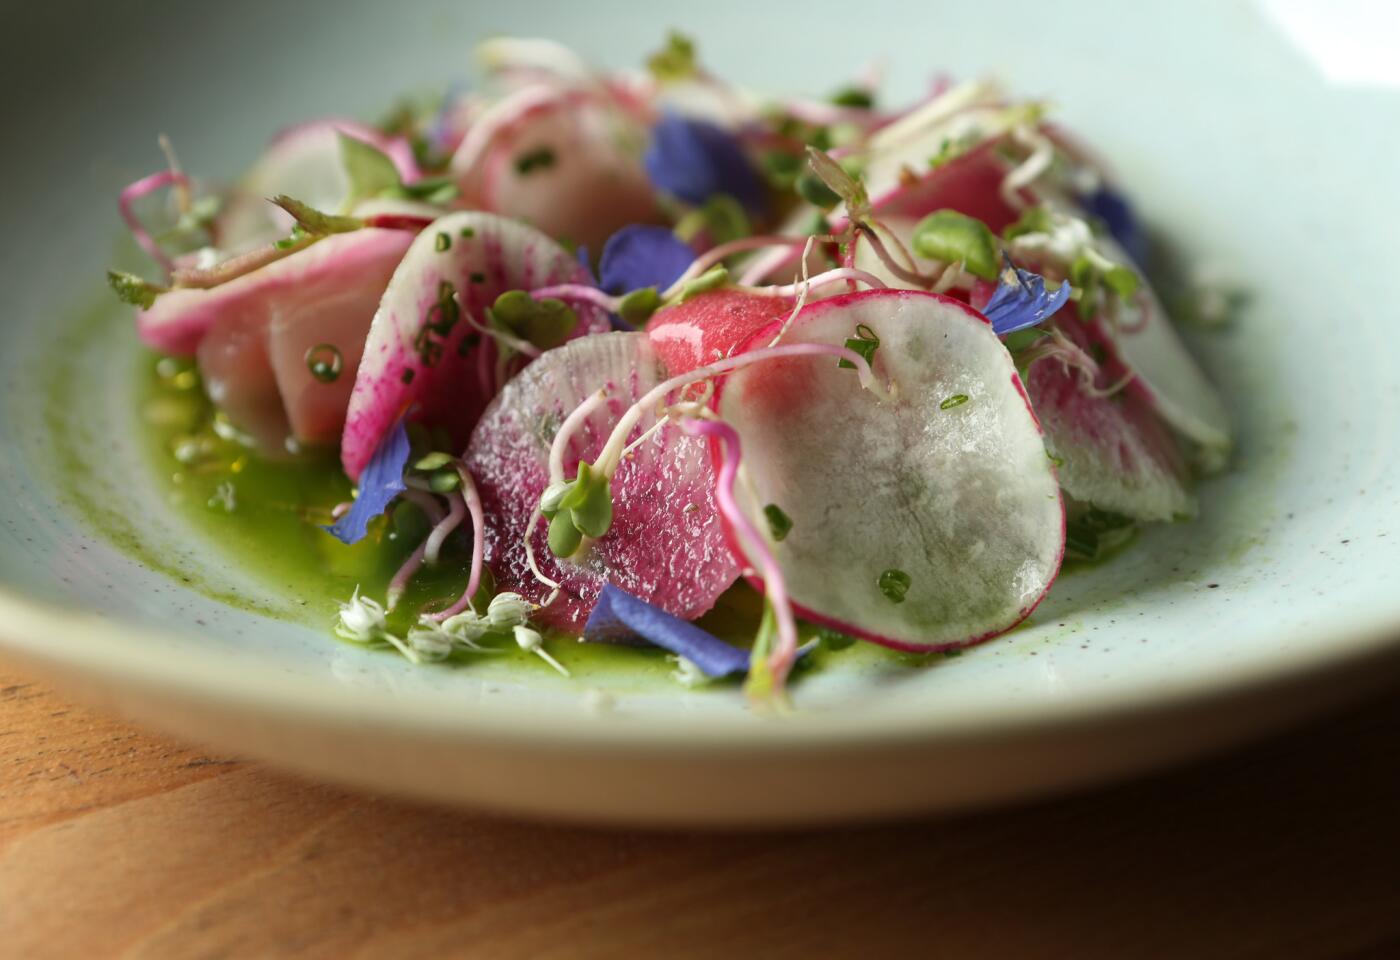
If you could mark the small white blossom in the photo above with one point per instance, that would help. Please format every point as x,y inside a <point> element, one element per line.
<point>508,610</point>
<point>1068,238</point>
<point>529,640</point>
<point>430,641</point>
<point>467,626</point>
<point>361,619</point>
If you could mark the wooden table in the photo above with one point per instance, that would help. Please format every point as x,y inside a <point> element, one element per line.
<point>115,842</point>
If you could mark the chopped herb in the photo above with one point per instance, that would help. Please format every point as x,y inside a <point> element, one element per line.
<point>433,461</point>
<point>468,233</point>
<point>779,523</point>
<point>865,343</point>
<point>443,243</point>
<point>1054,460</point>
<point>435,190</point>
<point>638,306</point>
<point>894,584</point>
<point>545,323</point>
<point>296,238</point>
<point>445,481</point>
<point>1095,533</point>
<point>834,639</point>
<point>1033,220</point>
<point>711,279</point>
<point>857,97</point>
<point>810,187</point>
<point>541,158</point>
<point>956,400</point>
<point>325,362</point>
<point>407,375</point>
<point>478,278</point>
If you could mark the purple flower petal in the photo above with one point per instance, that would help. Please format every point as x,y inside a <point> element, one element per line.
<point>695,160</point>
<point>1117,214</point>
<point>619,614</point>
<point>581,255</point>
<point>1024,302</point>
<point>380,483</point>
<point>638,256</point>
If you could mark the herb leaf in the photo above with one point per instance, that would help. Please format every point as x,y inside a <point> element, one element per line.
<point>370,170</point>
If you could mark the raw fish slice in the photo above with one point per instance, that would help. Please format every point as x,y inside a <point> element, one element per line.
<point>665,544</point>
<point>568,162</point>
<point>253,333</point>
<point>957,495</point>
<point>1116,453</point>
<point>422,352</point>
<point>711,326</point>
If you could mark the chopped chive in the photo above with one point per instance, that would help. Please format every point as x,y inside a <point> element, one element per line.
<point>468,232</point>
<point>478,278</point>
<point>433,461</point>
<point>894,584</point>
<point>779,523</point>
<point>541,158</point>
<point>865,343</point>
<point>407,375</point>
<point>956,400</point>
<point>442,243</point>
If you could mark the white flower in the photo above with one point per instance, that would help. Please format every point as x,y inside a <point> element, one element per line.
<point>508,610</point>
<point>529,640</point>
<point>430,641</point>
<point>361,620</point>
<point>467,626</point>
<point>1067,238</point>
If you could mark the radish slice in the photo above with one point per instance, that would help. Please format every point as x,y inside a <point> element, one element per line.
<point>711,326</point>
<point>957,496</point>
<point>1176,384</point>
<point>665,545</point>
<point>568,162</point>
<point>1116,453</point>
<point>421,354</point>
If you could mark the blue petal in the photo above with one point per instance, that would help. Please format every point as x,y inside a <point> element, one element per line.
<point>619,614</point>
<point>581,255</point>
<point>1113,209</point>
<point>637,257</point>
<point>380,483</point>
<point>1023,303</point>
<point>695,160</point>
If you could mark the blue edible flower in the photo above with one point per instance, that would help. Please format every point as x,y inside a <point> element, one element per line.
<point>1117,214</point>
<point>1023,302</point>
<point>619,614</point>
<point>380,483</point>
<point>695,160</point>
<point>638,256</point>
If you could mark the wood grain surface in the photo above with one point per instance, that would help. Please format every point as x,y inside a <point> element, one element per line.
<point>114,842</point>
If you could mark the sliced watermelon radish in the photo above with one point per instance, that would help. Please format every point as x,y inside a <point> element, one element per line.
<point>946,490</point>
<point>566,160</point>
<point>710,326</point>
<point>1116,453</point>
<point>422,351</point>
<point>665,544</point>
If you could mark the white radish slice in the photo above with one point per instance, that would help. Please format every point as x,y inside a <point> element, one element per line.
<point>665,544</point>
<point>1180,390</point>
<point>958,496</point>
<point>425,356</point>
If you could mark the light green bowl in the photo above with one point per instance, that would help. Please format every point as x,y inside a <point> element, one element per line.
<point>1282,598</point>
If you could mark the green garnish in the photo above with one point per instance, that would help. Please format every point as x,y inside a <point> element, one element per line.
<point>675,61</point>
<point>854,97</point>
<point>468,233</point>
<point>779,523</point>
<point>711,279</point>
<point>810,187</point>
<point>954,237</point>
<point>545,323</point>
<point>1095,533</point>
<point>443,243</point>
<point>369,170</point>
<point>312,221</point>
<point>435,190</point>
<point>541,158</point>
<point>445,481</point>
<point>637,307</point>
<point>894,584</point>
<point>834,639</point>
<point>433,461</point>
<point>131,289</point>
<point>581,507</point>
<point>782,168</point>
<point>865,343</point>
<point>1033,220</point>
<point>1121,281</point>
<point>956,400</point>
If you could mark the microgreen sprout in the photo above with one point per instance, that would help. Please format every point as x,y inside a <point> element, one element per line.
<point>313,222</point>
<point>954,237</point>
<point>840,182</point>
<point>131,289</point>
<point>865,343</point>
<point>139,189</point>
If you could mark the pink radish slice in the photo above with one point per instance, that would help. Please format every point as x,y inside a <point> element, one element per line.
<point>711,326</point>
<point>962,500</point>
<point>1116,453</point>
<point>665,545</point>
<point>417,356</point>
<point>969,184</point>
<point>569,165</point>
<point>304,162</point>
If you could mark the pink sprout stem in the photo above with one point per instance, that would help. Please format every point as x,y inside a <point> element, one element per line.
<point>472,497</point>
<point>426,502</point>
<point>399,584</point>
<point>839,275</point>
<point>784,654</point>
<point>723,252</point>
<point>456,511</point>
<point>579,293</point>
<point>139,189</point>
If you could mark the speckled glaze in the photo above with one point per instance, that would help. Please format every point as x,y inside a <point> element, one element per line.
<point>1282,597</point>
